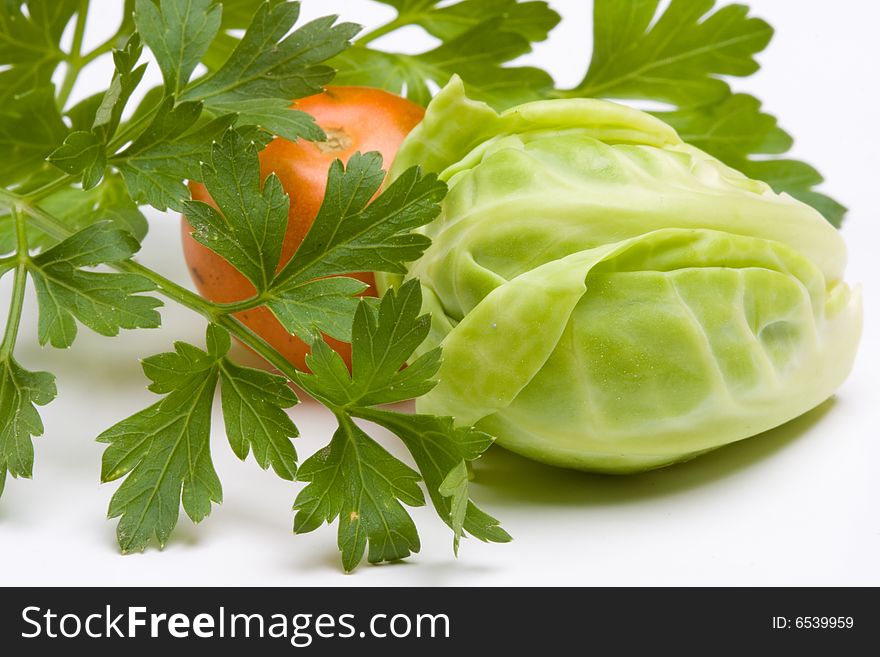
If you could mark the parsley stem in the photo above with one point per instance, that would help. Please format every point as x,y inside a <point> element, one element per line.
<point>126,134</point>
<point>74,61</point>
<point>50,188</point>
<point>18,286</point>
<point>250,339</point>
<point>172,290</point>
<point>388,28</point>
<point>107,45</point>
<point>212,312</point>
<point>241,306</point>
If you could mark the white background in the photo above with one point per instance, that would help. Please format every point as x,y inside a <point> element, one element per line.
<point>795,506</point>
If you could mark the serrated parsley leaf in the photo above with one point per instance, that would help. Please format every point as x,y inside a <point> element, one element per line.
<point>105,302</point>
<point>439,449</point>
<point>325,305</point>
<point>253,409</point>
<point>178,32</point>
<point>21,392</point>
<point>165,449</point>
<point>479,37</point>
<point>30,129</point>
<point>678,58</point>
<point>249,228</point>
<point>272,62</point>
<point>352,234</point>
<point>274,115</point>
<point>533,20</point>
<point>355,479</point>
<point>735,130</point>
<point>126,78</point>
<point>383,341</point>
<point>81,152</point>
<point>477,55</point>
<point>170,150</point>
<point>29,44</point>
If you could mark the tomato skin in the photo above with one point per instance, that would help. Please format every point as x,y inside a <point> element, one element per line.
<point>356,119</point>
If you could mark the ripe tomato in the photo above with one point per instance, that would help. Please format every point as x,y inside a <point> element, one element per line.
<point>355,119</point>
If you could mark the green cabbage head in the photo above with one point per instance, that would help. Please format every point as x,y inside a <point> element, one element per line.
<point>612,299</point>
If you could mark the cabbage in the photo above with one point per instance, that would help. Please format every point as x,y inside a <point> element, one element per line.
<point>612,299</point>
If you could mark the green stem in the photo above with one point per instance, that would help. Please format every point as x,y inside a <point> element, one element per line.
<point>127,132</point>
<point>50,188</point>
<point>241,306</point>
<point>102,49</point>
<point>388,28</point>
<point>212,312</point>
<point>18,286</point>
<point>250,339</point>
<point>74,60</point>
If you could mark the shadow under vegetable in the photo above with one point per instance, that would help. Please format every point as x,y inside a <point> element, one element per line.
<point>505,479</point>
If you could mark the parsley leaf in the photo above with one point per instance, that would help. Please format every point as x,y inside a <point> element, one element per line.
<point>678,57</point>
<point>165,449</point>
<point>248,231</point>
<point>30,129</point>
<point>253,408</point>
<point>178,32</point>
<point>20,392</point>
<point>126,78</point>
<point>81,152</point>
<point>533,20</point>
<point>105,302</point>
<point>357,481</point>
<point>325,305</point>
<point>168,152</point>
<point>440,451</point>
<point>29,44</point>
<point>479,38</point>
<point>351,234</point>
<point>270,63</point>
<point>274,115</point>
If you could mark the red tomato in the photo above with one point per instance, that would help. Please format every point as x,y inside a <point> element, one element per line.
<point>355,119</point>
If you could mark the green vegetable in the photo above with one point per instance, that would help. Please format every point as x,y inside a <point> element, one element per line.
<point>74,175</point>
<point>73,178</point>
<point>678,56</point>
<point>611,298</point>
<point>369,505</point>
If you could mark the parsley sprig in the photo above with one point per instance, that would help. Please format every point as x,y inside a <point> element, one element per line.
<point>71,205</point>
<point>679,56</point>
<point>369,505</point>
<point>74,176</point>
